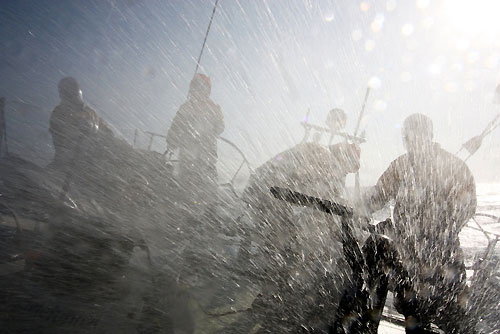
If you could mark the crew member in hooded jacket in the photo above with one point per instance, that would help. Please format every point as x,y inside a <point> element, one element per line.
<point>194,131</point>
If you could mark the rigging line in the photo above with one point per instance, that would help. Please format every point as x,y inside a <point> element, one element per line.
<point>362,112</point>
<point>206,36</point>
<point>491,126</point>
<point>357,186</point>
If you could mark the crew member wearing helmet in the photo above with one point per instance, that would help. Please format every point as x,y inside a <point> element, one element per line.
<point>194,131</point>
<point>72,122</point>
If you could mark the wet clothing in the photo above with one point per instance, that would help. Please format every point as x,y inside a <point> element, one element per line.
<point>71,124</point>
<point>434,197</point>
<point>299,259</point>
<point>194,132</point>
<point>308,168</point>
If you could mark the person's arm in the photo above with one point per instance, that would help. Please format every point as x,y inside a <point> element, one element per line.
<point>104,128</point>
<point>174,135</point>
<point>53,122</point>
<point>463,197</point>
<point>218,120</point>
<point>384,190</point>
<point>59,122</point>
<point>98,123</point>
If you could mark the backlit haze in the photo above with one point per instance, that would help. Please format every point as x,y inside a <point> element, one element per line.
<point>269,62</point>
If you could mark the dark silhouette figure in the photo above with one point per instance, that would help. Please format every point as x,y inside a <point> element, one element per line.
<point>289,242</point>
<point>194,131</point>
<point>72,123</point>
<point>435,196</point>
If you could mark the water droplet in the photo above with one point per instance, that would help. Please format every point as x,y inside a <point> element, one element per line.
<point>451,87</point>
<point>364,6</point>
<point>434,69</point>
<point>412,44</point>
<point>407,29</point>
<point>457,67</point>
<point>406,76</point>
<point>369,45</point>
<point>472,57</point>
<point>462,44</point>
<point>427,22</point>
<point>377,23</point>
<point>380,105</point>
<point>422,4</point>
<point>374,82</point>
<point>390,5</point>
<point>329,17</point>
<point>356,35</point>
<point>434,84</point>
<point>491,61</point>
<point>470,86</point>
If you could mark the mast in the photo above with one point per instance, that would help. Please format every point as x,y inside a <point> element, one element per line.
<point>357,187</point>
<point>206,36</point>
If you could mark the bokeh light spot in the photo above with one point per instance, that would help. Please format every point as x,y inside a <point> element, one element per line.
<point>369,45</point>
<point>377,23</point>
<point>364,6</point>
<point>423,4</point>
<point>356,35</point>
<point>390,5</point>
<point>380,105</point>
<point>406,76</point>
<point>374,82</point>
<point>407,29</point>
<point>451,87</point>
<point>472,57</point>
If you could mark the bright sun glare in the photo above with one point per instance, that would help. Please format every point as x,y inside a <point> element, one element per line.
<point>474,16</point>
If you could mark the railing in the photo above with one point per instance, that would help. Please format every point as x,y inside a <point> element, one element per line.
<point>167,153</point>
<point>308,127</point>
<point>151,136</point>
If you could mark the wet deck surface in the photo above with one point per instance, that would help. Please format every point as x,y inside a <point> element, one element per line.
<point>388,328</point>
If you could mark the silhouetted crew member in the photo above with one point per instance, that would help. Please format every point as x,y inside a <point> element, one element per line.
<point>288,243</point>
<point>336,120</point>
<point>309,168</point>
<point>435,196</point>
<point>194,131</point>
<point>72,123</point>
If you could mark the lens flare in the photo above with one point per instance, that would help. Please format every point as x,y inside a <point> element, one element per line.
<point>474,17</point>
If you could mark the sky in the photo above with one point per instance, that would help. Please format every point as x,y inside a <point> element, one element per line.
<point>270,61</point>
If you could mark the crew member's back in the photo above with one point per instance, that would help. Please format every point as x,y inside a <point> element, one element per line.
<point>72,124</point>
<point>435,196</point>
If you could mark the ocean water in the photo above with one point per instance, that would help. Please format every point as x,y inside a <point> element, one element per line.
<point>488,204</point>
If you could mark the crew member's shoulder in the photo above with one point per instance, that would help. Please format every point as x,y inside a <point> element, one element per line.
<point>309,147</point>
<point>453,163</point>
<point>449,157</point>
<point>400,162</point>
<point>89,110</point>
<point>60,114</point>
<point>187,109</point>
<point>308,153</point>
<point>59,109</point>
<point>213,106</point>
